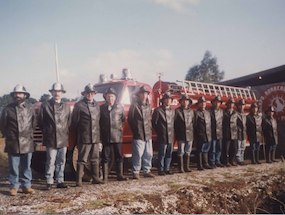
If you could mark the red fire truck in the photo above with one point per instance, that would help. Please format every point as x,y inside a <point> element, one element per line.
<point>126,88</point>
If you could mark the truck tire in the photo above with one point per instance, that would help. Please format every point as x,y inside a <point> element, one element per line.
<point>38,162</point>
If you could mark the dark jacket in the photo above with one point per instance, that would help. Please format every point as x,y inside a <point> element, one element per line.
<point>139,119</point>
<point>241,125</point>
<point>183,124</point>
<point>112,123</point>
<point>253,128</point>
<point>230,125</point>
<point>163,123</point>
<point>54,120</point>
<point>269,128</point>
<point>17,125</point>
<point>202,126</point>
<point>217,123</point>
<point>85,122</point>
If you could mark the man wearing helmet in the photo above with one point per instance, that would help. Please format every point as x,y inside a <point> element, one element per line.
<point>112,117</point>
<point>17,124</point>
<point>269,127</point>
<point>230,134</point>
<point>203,134</point>
<point>85,123</point>
<point>54,120</point>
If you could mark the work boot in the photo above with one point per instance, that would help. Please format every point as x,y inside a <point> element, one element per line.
<point>253,161</point>
<point>105,172</point>
<point>180,161</point>
<point>79,174</point>
<point>95,174</point>
<point>136,176</point>
<point>120,176</point>
<point>227,163</point>
<point>257,157</point>
<point>268,156</point>
<point>273,156</point>
<point>220,165</point>
<point>187,163</point>
<point>205,159</point>
<point>28,190</point>
<point>199,161</point>
<point>13,191</point>
<point>148,175</point>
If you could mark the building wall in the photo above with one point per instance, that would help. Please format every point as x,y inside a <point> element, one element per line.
<point>274,94</point>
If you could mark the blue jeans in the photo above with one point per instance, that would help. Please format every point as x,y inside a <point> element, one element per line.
<point>165,156</point>
<point>184,147</point>
<point>254,146</point>
<point>142,155</point>
<point>55,161</point>
<point>206,147</point>
<point>20,172</point>
<point>240,150</point>
<point>216,151</point>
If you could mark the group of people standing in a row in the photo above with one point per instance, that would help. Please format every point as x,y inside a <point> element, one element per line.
<point>219,135</point>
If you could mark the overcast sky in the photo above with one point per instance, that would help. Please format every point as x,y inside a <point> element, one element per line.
<point>146,36</point>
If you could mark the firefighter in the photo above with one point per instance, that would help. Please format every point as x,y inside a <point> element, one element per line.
<point>54,121</point>
<point>202,132</point>
<point>85,123</point>
<point>17,124</point>
<point>241,126</point>
<point>254,132</point>
<point>183,126</point>
<point>230,133</point>
<point>217,132</point>
<point>139,119</point>
<point>111,127</point>
<point>163,123</point>
<point>269,127</point>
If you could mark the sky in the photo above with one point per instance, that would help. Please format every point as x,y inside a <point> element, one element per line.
<point>146,36</point>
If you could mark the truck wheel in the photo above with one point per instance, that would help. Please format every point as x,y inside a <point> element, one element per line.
<point>38,162</point>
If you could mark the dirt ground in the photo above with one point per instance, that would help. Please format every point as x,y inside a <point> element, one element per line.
<point>242,189</point>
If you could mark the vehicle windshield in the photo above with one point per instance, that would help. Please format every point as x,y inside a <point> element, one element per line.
<point>125,95</point>
<point>103,88</point>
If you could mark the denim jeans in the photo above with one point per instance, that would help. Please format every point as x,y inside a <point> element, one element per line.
<point>216,151</point>
<point>270,147</point>
<point>20,172</point>
<point>240,150</point>
<point>206,147</point>
<point>184,147</point>
<point>142,155</point>
<point>55,162</point>
<point>165,156</point>
<point>254,146</point>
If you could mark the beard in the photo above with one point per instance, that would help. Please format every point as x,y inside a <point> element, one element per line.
<point>20,100</point>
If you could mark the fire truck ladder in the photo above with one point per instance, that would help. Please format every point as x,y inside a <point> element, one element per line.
<point>194,88</point>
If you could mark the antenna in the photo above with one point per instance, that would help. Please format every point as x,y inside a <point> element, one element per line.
<point>56,63</point>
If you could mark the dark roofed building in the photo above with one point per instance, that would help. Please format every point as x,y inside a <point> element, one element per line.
<point>269,76</point>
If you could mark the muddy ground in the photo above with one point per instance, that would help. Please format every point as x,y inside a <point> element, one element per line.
<point>242,189</point>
